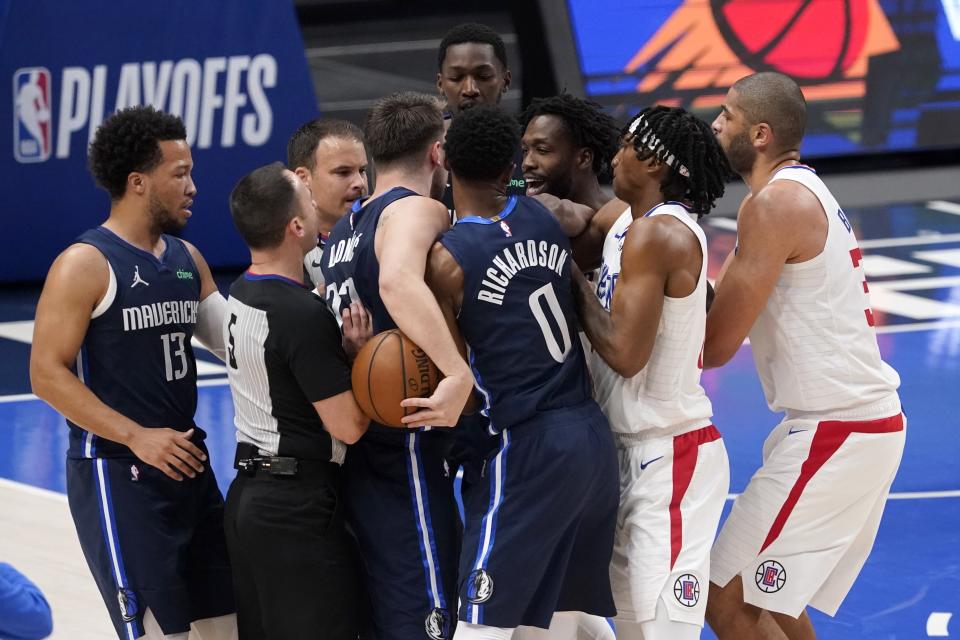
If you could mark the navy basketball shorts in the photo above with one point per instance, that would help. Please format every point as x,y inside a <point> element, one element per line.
<point>400,505</point>
<point>539,531</point>
<point>151,542</point>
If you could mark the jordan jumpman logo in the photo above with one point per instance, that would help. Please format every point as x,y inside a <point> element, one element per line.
<point>137,279</point>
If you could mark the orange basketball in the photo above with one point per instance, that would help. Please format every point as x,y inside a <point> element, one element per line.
<point>391,368</point>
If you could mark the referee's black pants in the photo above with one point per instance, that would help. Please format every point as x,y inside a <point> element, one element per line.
<point>296,570</point>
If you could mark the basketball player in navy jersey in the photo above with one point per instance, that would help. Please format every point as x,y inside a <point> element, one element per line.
<point>539,529</point>
<point>112,353</point>
<point>329,156</point>
<point>472,71</point>
<point>399,490</point>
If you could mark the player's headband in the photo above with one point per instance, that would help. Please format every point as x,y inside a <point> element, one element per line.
<point>652,142</point>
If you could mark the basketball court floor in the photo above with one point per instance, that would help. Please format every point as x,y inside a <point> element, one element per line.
<point>909,588</point>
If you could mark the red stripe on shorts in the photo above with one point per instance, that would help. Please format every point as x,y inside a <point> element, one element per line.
<point>685,447</point>
<point>830,435</point>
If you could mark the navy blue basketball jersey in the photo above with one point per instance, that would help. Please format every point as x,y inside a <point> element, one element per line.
<point>350,267</point>
<point>136,356</point>
<point>518,316</point>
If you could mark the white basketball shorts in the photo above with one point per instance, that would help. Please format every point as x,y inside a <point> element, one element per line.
<point>672,490</point>
<point>801,531</point>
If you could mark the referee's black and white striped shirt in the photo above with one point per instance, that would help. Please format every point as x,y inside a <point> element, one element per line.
<point>284,352</point>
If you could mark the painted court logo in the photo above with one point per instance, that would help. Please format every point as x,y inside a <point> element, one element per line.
<point>31,115</point>
<point>771,576</point>
<point>479,587</point>
<point>687,590</point>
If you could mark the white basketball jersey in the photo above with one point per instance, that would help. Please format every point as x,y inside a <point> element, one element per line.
<point>814,343</point>
<point>666,394</point>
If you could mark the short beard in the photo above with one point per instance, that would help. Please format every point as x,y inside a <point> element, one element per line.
<point>162,219</point>
<point>741,153</point>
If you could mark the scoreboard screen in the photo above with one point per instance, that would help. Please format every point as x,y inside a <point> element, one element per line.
<point>878,75</point>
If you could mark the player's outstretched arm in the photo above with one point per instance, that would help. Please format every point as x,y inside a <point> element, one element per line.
<point>574,218</point>
<point>624,337</point>
<point>588,246</point>
<point>770,227</point>
<point>212,311</point>
<point>407,230</point>
<point>77,282</point>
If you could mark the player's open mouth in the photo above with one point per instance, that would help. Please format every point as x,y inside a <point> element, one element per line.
<point>186,207</point>
<point>535,185</point>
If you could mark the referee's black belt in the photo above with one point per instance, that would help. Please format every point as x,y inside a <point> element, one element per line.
<point>250,462</point>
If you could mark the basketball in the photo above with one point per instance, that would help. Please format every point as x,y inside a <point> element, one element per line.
<point>769,35</point>
<point>391,368</point>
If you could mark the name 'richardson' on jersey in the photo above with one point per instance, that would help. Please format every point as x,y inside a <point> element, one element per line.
<point>158,314</point>
<point>512,260</point>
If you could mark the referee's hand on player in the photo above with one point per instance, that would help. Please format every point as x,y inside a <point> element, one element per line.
<point>357,328</point>
<point>168,450</point>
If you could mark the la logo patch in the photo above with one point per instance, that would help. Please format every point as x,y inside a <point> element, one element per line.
<point>771,576</point>
<point>686,589</point>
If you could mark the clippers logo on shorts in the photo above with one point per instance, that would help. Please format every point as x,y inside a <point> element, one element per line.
<point>128,604</point>
<point>687,590</point>
<point>31,115</point>
<point>479,587</point>
<point>437,624</point>
<point>771,576</point>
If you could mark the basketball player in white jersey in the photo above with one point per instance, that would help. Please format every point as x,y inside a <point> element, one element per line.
<point>645,320</point>
<point>805,524</point>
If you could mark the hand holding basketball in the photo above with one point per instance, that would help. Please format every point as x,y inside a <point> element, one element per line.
<point>389,369</point>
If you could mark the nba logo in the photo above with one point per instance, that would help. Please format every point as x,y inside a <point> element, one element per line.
<point>32,131</point>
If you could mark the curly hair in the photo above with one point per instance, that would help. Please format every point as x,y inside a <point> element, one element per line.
<point>303,142</point>
<point>697,167</point>
<point>588,125</point>
<point>127,141</point>
<point>481,143</point>
<point>472,32</point>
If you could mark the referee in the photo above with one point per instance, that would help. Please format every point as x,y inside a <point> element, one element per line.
<point>296,572</point>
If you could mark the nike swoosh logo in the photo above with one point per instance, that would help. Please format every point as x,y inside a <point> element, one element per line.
<point>793,431</point>
<point>643,465</point>
<point>316,265</point>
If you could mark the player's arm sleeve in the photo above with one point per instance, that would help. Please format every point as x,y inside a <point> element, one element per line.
<point>24,612</point>
<point>209,328</point>
<point>314,352</point>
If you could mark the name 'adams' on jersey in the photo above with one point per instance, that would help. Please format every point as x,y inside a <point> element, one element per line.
<point>518,316</point>
<point>136,356</point>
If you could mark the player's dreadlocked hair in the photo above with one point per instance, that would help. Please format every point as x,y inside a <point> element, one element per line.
<point>128,141</point>
<point>481,143</point>
<point>476,33</point>
<point>697,168</point>
<point>587,123</point>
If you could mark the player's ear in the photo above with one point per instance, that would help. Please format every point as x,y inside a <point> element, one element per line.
<point>136,182</point>
<point>585,158</point>
<point>436,154</point>
<point>762,135</point>
<point>507,78</point>
<point>303,174</point>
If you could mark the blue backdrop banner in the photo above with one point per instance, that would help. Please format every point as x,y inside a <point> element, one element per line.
<point>234,71</point>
